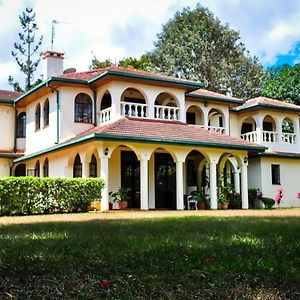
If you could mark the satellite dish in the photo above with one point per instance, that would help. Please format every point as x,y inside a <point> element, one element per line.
<point>69,70</point>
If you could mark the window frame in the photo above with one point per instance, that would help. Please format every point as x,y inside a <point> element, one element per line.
<point>38,117</point>
<point>46,168</point>
<point>46,113</point>
<point>275,174</point>
<point>93,171</point>
<point>77,167</point>
<point>83,109</point>
<point>37,169</point>
<point>21,125</point>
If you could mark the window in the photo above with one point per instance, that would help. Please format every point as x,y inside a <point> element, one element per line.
<point>275,174</point>
<point>77,167</point>
<point>46,168</point>
<point>37,169</point>
<point>46,113</point>
<point>21,125</point>
<point>38,117</point>
<point>83,108</point>
<point>20,170</point>
<point>93,166</point>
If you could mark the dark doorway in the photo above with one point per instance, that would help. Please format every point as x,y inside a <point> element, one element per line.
<point>20,170</point>
<point>165,181</point>
<point>246,127</point>
<point>130,177</point>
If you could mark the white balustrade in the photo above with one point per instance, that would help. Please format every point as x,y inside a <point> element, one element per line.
<point>250,136</point>
<point>270,136</point>
<point>131,109</point>
<point>166,112</point>
<point>289,138</point>
<point>105,115</point>
<point>216,129</point>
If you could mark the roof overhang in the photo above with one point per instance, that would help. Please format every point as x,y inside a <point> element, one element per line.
<point>258,106</point>
<point>226,100</point>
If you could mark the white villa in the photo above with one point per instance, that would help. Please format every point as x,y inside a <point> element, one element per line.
<point>161,136</point>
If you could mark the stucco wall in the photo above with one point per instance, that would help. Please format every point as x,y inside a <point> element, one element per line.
<point>7,125</point>
<point>5,166</point>
<point>254,174</point>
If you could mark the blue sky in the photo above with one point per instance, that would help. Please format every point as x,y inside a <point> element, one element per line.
<point>116,29</point>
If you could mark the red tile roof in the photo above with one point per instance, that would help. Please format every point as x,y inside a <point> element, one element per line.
<point>9,95</point>
<point>88,75</point>
<point>269,102</point>
<point>161,131</point>
<point>206,93</point>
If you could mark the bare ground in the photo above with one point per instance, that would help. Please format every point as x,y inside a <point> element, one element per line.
<point>136,214</point>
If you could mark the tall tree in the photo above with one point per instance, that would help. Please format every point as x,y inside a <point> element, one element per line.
<point>26,48</point>
<point>196,46</point>
<point>283,83</point>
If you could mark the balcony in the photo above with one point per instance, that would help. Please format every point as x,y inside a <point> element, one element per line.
<point>284,141</point>
<point>218,129</point>
<point>166,112</point>
<point>105,115</point>
<point>137,110</point>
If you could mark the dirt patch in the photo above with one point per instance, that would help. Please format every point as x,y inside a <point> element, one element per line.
<point>134,214</point>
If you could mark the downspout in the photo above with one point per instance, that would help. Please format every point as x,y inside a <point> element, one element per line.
<point>95,106</point>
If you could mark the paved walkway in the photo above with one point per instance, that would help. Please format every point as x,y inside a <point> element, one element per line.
<point>128,214</point>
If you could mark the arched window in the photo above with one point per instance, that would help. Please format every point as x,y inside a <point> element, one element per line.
<point>83,108</point>
<point>37,169</point>
<point>46,168</point>
<point>93,166</point>
<point>21,125</point>
<point>77,167</point>
<point>46,113</point>
<point>38,117</point>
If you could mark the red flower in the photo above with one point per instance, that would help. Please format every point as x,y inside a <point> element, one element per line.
<point>104,283</point>
<point>209,260</point>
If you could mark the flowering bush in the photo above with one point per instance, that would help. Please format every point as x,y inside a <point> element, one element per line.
<point>279,195</point>
<point>298,195</point>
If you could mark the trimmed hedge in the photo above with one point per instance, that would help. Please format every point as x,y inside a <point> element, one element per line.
<point>34,195</point>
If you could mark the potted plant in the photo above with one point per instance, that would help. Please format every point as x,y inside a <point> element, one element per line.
<point>201,199</point>
<point>121,197</point>
<point>224,197</point>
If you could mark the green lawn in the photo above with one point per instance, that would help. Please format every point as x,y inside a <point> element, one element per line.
<point>169,258</point>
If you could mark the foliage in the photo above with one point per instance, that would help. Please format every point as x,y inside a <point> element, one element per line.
<point>130,62</point>
<point>268,202</point>
<point>254,195</point>
<point>33,195</point>
<point>122,194</point>
<point>26,49</point>
<point>196,46</point>
<point>161,258</point>
<point>200,196</point>
<point>283,83</point>
<point>225,194</point>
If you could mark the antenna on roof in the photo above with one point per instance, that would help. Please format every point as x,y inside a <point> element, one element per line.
<point>53,31</point>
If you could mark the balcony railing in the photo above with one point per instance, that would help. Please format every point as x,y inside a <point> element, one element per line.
<point>270,136</point>
<point>166,112</point>
<point>289,138</point>
<point>137,110</point>
<point>214,128</point>
<point>105,115</point>
<point>250,136</point>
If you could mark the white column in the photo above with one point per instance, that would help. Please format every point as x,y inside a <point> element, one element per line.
<point>179,185</point>
<point>259,129</point>
<point>205,118</point>
<point>104,174</point>
<point>151,183</point>
<point>244,194</point>
<point>85,169</point>
<point>213,185</point>
<point>150,108</point>
<point>226,123</point>
<point>144,184</point>
<point>237,186</point>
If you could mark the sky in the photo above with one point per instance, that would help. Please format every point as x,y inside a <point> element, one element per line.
<point>115,29</point>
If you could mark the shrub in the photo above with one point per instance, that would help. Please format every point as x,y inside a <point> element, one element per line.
<point>33,195</point>
<point>268,202</point>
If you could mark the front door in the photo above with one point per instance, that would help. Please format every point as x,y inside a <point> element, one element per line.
<point>165,181</point>
<point>130,177</point>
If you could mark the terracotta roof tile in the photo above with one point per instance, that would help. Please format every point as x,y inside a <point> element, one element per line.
<point>9,95</point>
<point>206,93</point>
<point>164,130</point>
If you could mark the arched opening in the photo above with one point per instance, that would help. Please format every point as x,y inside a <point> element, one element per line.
<point>77,167</point>
<point>105,107</point>
<point>93,170</point>
<point>83,108</point>
<point>288,131</point>
<point>166,107</point>
<point>133,104</point>
<point>20,170</point>
<point>46,168</point>
<point>38,117</point>
<point>164,179</point>
<point>194,115</point>
<point>37,169</point>
<point>248,130</point>
<point>269,129</point>
<point>216,121</point>
<point>46,113</point>
<point>21,125</point>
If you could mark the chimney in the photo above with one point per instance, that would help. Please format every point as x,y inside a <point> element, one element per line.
<point>53,64</point>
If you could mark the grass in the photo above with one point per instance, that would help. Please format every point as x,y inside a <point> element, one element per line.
<point>166,258</point>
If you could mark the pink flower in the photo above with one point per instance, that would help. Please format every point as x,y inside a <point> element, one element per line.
<point>279,195</point>
<point>298,195</point>
<point>209,260</point>
<point>104,283</point>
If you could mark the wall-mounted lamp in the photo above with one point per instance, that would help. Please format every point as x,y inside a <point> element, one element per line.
<point>245,160</point>
<point>106,151</point>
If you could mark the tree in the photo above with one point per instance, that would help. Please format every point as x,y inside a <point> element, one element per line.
<point>26,48</point>
<point>196,46</point>
<point>130,62</point>
<point>283,83</point>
